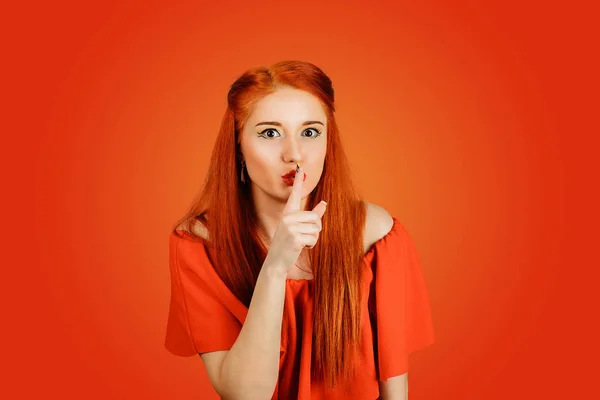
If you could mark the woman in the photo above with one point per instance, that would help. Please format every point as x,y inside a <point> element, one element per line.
<point>284,280</point>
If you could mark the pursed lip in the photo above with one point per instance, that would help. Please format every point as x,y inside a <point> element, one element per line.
<point>291,174</point>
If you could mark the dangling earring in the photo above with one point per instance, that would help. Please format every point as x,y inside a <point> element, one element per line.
<point>242,174</point>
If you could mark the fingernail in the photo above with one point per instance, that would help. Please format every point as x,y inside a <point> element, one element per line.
<point>324,202</point>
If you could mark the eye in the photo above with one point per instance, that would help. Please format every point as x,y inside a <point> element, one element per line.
<point>265,135</point>
<point>317,132</point>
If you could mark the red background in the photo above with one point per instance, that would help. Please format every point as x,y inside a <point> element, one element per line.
<point>474,124</point>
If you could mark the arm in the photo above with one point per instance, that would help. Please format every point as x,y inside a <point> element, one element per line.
<point>394,388</point>
<point>249,370</point>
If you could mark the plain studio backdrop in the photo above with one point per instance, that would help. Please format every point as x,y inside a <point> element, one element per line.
<point>471,122</point>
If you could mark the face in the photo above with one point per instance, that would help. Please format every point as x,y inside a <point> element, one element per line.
<point>286,127</point>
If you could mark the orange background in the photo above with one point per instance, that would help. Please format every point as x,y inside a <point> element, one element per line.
<point>466,121</point>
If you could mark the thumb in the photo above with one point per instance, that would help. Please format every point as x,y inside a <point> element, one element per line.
<point>320,208</point>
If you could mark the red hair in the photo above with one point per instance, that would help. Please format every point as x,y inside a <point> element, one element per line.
<point>226,209</point>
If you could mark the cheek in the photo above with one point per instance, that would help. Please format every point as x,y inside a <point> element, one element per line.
<point>265,152</point>
<point>260,161</point>
<point>316,156</point>
<point>266,157</point>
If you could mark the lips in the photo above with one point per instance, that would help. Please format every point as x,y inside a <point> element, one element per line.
<point>291,174</point>
<point>289,177</point>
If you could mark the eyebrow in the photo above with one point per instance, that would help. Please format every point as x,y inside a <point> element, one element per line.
<point>275,123</point>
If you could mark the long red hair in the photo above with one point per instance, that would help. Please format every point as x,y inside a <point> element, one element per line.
<point>226,209</point>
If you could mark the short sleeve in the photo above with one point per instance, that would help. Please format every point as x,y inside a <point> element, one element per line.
<point>203,315</point>
<point>401,309</point>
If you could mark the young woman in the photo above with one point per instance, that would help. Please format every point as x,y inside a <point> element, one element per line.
<point>284,280</point>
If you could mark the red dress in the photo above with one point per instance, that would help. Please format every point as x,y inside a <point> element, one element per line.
<point>205,316</point>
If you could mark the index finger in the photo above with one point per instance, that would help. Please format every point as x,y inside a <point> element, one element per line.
<point>293,203</point>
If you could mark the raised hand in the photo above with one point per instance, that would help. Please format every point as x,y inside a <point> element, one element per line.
<point>296,229</point>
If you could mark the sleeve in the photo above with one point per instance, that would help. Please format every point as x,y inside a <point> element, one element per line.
<point>203,314</point>
<point>402,311</point>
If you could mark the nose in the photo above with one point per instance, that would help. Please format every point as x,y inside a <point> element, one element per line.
<point>292,151</point>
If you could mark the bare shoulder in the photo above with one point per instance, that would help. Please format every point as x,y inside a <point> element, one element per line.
<point>379,223</point>
<point>198,229</point>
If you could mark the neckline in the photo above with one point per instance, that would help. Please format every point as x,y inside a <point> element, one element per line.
<point>367,254</point>
<point>299,280</point>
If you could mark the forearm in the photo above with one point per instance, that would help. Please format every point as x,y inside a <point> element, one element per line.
<point>394,388</point>
<point>251,367</point>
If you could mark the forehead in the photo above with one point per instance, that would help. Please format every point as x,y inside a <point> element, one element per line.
<point>288,106</point>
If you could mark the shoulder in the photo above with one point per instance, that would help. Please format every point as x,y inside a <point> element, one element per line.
<point>379,223</point>
<point>199,229</point>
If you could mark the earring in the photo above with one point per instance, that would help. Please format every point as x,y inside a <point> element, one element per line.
<point>242,173</point>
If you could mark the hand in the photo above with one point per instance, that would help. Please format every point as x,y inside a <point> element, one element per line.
<point>296,229</point>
